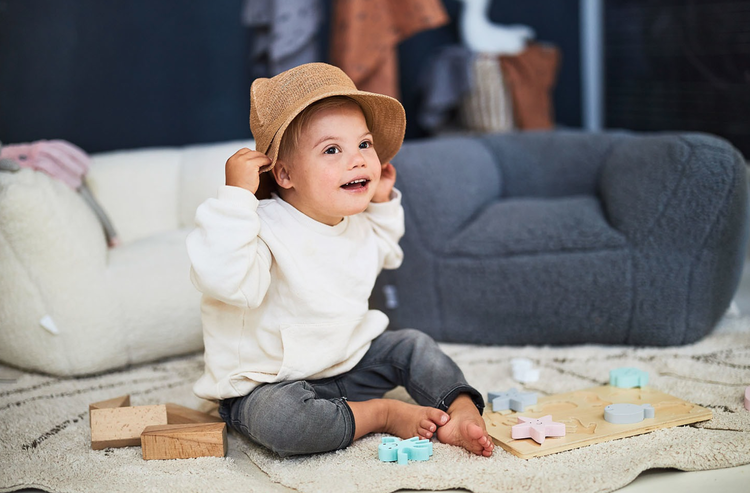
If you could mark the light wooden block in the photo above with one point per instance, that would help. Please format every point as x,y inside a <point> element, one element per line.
<point>582,412</point>
<point>177,414</point>
<point>122,401</point>
<point>184,441</point>
<point>122,426</point>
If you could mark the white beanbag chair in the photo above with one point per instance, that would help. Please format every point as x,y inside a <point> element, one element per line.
<point>69,305</point>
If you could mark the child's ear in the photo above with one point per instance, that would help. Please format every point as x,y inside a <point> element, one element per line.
<point>281,174</point>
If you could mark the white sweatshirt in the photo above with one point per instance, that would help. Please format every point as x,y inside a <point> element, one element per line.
<point>285,297</point>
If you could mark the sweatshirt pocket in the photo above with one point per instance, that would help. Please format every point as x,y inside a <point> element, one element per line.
<point>312,348</point>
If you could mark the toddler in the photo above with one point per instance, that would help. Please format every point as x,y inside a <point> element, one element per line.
<point>296,359</point>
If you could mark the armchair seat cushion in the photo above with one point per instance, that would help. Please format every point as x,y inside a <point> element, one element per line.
<point>536,225</point>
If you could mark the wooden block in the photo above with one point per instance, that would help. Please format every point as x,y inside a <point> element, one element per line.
<point>582,412</point>
<point>184,441</point>
<point>122,401</point>
<point>177,415</point>
<point>122,426</point>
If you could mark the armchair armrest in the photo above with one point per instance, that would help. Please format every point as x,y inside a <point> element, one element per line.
<point>653,185</point>
<point>682,202</point>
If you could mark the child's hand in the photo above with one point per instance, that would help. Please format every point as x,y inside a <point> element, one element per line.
<point>243,169</point>
<point>387,180</point>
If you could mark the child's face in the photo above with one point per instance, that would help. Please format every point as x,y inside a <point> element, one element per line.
<point>334,170</point>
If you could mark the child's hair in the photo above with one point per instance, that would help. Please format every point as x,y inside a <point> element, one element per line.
<point>290,139</point>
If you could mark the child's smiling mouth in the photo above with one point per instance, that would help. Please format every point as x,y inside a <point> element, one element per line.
<point>358,184</point>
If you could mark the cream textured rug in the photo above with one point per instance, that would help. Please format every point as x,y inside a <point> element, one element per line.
<point>44,429</point>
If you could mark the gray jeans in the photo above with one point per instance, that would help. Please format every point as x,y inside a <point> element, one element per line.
<point>310,416</point>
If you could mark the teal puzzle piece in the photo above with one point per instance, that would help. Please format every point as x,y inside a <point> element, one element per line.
<point>393,449</point>
<point>628,378</point>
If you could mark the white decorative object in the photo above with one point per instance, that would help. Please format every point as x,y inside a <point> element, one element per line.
<point>481,35</point>
<point>523,370</point>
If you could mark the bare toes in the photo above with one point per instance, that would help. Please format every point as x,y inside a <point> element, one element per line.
<point>428,425</point>
<point>437,416</point>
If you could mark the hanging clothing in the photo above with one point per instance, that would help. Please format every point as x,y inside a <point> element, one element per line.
<point>447,78</point>
<point>285,33</point>
<point>365,35</point>
<point>531,76</point>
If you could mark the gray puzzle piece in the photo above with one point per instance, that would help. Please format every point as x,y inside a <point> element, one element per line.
<point>511,399</point>
<point>624,414</point>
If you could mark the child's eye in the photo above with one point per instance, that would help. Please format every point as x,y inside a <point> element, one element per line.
<point>365,144</point>
<point>331,150</point>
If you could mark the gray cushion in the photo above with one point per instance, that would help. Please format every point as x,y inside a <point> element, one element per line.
<point>533,225</point>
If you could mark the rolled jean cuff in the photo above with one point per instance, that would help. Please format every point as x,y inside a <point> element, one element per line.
<point>352,425</point>
<point>473,393</point>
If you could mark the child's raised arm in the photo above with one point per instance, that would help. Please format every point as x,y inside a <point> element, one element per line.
<point>229,262</point>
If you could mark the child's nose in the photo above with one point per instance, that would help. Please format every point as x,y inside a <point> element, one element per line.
<point>358,160</point>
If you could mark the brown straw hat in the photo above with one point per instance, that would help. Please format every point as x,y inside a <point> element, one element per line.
<point>275,102</point>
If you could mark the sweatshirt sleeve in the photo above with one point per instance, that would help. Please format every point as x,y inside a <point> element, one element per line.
<point>229,262</point>
<point>387,219</point>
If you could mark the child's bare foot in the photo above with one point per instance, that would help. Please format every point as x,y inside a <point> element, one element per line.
<point>407,420</point>
<point>396,418</point>
<point>466,428</point>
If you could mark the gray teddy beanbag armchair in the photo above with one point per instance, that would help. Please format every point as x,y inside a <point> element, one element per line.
<point>568,238</point>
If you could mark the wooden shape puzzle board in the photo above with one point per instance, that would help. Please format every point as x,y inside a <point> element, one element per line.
<point>582,412</point>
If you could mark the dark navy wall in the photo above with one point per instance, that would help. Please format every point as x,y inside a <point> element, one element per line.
<point>679,65</point>
<point>130,73</point>
<point>123,73</point>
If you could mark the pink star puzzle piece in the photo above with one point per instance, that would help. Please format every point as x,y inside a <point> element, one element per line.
<point>537,428</point>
